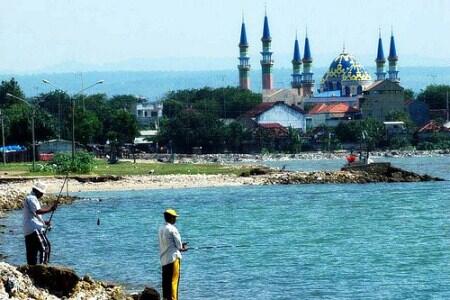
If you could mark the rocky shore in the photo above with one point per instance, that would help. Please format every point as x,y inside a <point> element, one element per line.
<point>13,192</point>
<point>54,282</point>
<point>250,158</point>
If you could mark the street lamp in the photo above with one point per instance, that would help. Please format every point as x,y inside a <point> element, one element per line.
<point>73,108</point>
<point>3,137</point>
<point>33,112</point>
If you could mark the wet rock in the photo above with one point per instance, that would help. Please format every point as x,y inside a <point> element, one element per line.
<point>59,281</point>
<point>148,294</point>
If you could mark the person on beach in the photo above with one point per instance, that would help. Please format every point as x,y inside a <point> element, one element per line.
<point>170,247</point>
<point>37,244</point>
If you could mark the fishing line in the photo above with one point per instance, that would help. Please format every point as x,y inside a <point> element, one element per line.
<point>57,201</point>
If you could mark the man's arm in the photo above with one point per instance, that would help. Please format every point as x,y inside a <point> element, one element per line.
<point>177,239</point>
<point>46,210</point>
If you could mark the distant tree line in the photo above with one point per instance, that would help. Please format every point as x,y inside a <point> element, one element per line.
<point>97,117</point>
<point>206,118</point>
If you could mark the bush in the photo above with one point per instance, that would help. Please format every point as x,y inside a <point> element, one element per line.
<point>83,163</point>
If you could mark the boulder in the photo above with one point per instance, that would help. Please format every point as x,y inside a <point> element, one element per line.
<point>59,281</point>
<point>148,294</point>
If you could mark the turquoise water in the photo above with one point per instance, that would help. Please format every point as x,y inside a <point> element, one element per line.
<point>374,241</point>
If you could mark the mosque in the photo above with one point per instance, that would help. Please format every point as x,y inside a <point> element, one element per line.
<point>345,77</point>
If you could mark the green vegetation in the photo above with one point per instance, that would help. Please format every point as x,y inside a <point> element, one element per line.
<point>123,168</point>
<point>193,118</point>
<point>435,95</point>
<point>62,163</point>
<point>97,117</point>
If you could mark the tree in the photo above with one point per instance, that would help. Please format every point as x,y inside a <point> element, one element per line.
<point>127,102</point>
<point>435,96</point>
<point>19,124</point>
<point>408,94</point>
<point>88,127</point>
<point>172,107</point>
<point>123,125</point>
<point>234,135</point>
<point>58,104</point>
<point>191,128</point>
<point>12,87</point>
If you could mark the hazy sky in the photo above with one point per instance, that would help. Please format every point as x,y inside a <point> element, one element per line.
<point>37,35</point>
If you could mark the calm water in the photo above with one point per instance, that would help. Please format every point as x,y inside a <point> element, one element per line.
<point>375,241</point>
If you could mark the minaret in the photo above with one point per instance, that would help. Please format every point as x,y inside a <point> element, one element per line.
<point>393,58</point>
<point>244,66</point>
<point>266,62</point>
<point>307,80</point>
<point>380,60</point>
<point>296,67</point>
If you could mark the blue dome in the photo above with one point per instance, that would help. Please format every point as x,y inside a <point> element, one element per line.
<point>343,67</point>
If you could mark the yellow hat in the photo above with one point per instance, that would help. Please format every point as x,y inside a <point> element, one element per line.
<point>171,212</point>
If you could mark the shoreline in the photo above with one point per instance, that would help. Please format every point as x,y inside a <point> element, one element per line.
<point>258,158</point>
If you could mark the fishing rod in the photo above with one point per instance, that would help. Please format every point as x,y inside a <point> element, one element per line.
<point>218,247</point>
<point>57,201</point>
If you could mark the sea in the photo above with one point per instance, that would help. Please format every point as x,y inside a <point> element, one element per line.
<point>318,241</point>
<point>153,85</point>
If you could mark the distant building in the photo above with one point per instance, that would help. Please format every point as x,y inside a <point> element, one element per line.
<point>428,130</point>
<point>345,81</point>
<point>288,96</point>
<point>54,146</point>
<point>394,128</point>
<point>331,114</point>
<point>277,112</point>
<point>148,113</point>
<point>382,98</point>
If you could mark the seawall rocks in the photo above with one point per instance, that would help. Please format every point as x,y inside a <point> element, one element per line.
<point>39,282</point>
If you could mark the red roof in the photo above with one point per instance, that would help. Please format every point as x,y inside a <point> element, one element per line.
<point>334,108</point>
<point>265,106</point>
<point>259,109</point>
<point>275,128</point>
<point>271,125</point>
<point>432,126</point>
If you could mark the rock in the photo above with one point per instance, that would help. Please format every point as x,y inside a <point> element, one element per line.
<point>59,281</point>
<point>149,294</point>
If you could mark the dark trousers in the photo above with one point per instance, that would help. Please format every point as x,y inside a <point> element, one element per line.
<point>38,248</point>
<point>170,280</point>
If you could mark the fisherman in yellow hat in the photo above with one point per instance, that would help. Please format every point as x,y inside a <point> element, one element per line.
<point>170,247</point>
<point>36,243</point>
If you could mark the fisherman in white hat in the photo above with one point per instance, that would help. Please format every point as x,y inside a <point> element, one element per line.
<point>36,242</point>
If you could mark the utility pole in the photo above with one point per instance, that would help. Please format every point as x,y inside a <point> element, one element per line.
<point>3,137</point>
<point>447,108</point>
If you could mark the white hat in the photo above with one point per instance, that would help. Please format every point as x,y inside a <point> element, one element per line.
<point>40,186</point>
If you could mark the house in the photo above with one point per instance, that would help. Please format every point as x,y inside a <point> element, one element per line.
<point>431,128</point>
<point>55,146</point>
<point>144,141</point>
<point>276,112</point>
<point>382,98</point>
<point>394,128</point>
<point>148,113</point>
<point>331,114</point>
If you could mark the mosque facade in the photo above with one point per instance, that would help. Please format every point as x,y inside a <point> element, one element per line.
<point>345,76</point>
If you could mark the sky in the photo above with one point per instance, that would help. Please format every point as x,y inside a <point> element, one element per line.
<point>87,35</point>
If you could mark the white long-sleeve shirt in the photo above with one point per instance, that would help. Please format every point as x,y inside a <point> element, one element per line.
<point>169,244</point>
<point>31,220</point>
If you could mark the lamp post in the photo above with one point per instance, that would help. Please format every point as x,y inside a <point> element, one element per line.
<point>72,100</point>
<point>3,137</point>
<point>33,112</point>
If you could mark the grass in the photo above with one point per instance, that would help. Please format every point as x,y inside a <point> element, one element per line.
<point>123,168</point>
